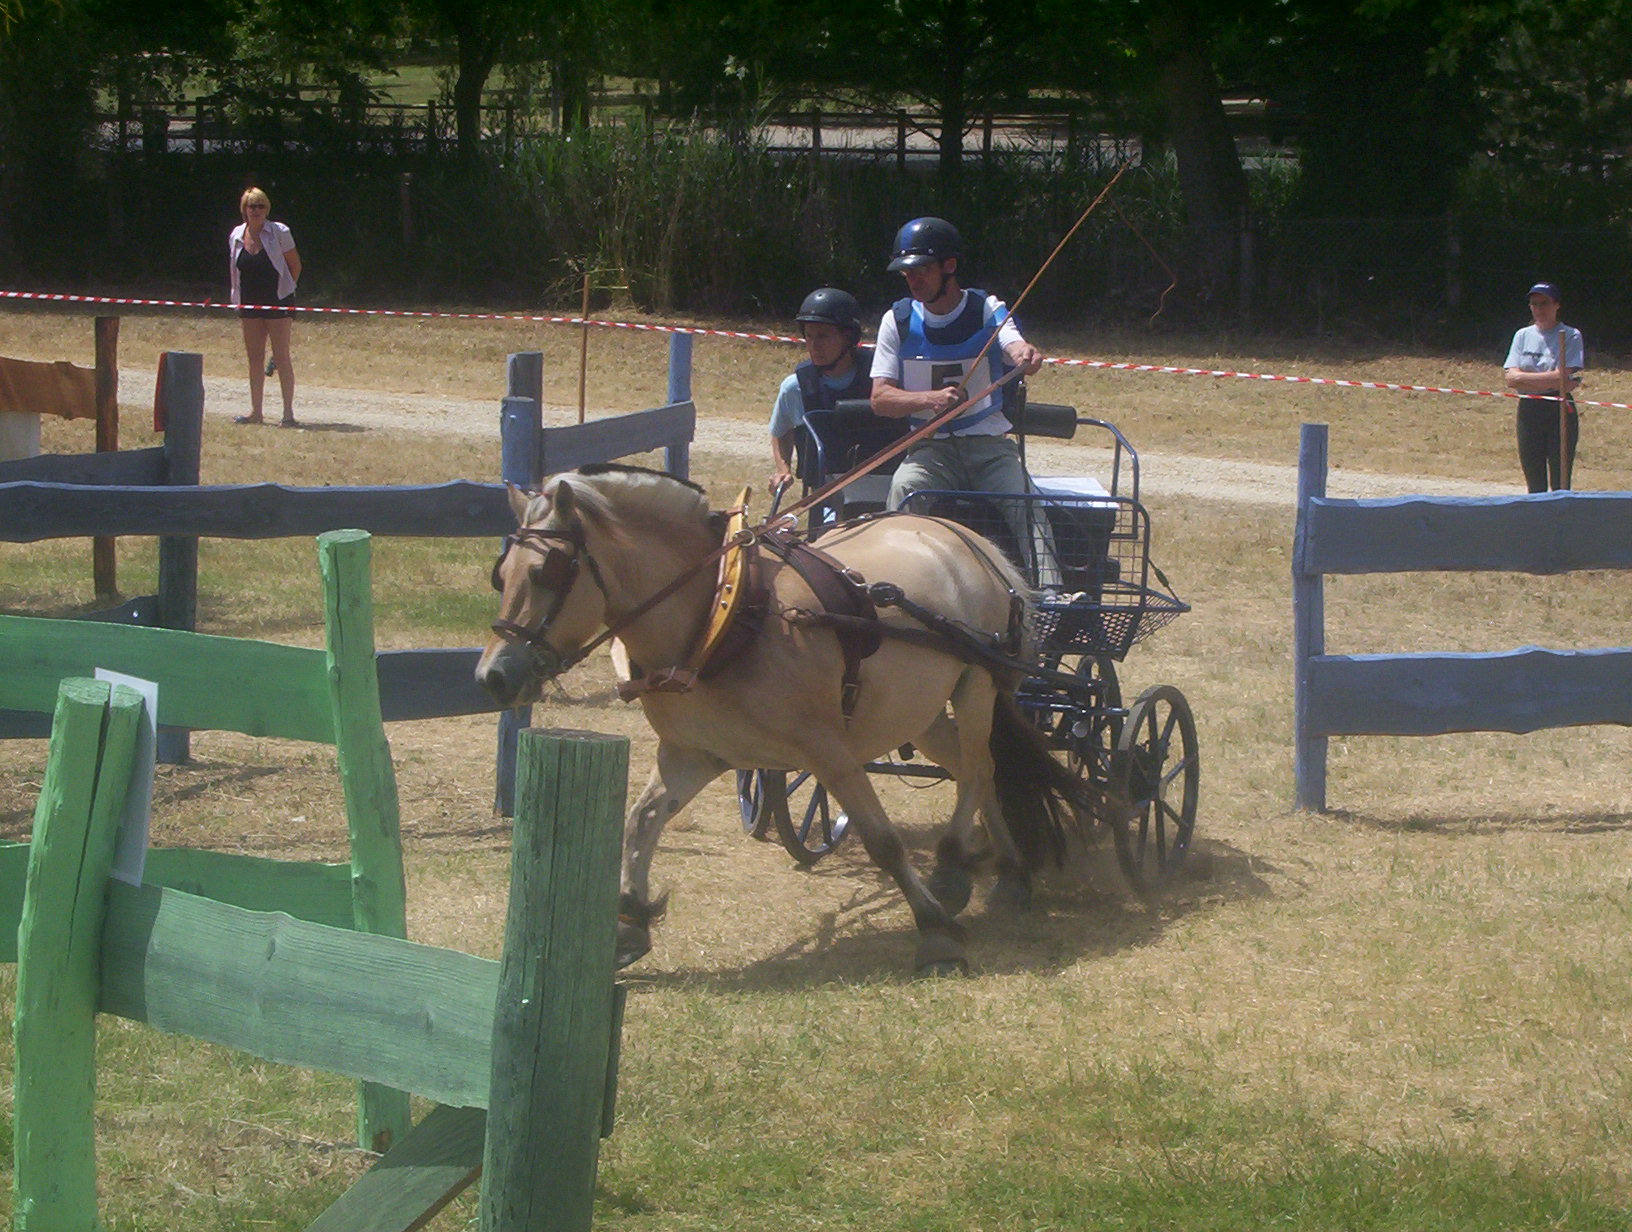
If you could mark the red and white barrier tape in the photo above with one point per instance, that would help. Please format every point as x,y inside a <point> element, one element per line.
<point>1106,365</point>
<point>1322,380</point>
<point>397,312</point>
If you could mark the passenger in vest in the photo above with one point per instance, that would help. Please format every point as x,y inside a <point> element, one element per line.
<point>830,320</point>
<point>924,363</point>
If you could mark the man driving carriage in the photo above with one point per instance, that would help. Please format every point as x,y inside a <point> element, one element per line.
<point>925,363</point>
<point>830,321</point>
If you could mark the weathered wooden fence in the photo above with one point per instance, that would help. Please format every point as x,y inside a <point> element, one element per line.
<point>531,1039</point>
<point>76,393</point>
<point>414,684</point>
<point>329,696</point>
<point>1522,690</point>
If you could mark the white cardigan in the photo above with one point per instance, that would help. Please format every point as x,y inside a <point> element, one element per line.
<point>277,240</point>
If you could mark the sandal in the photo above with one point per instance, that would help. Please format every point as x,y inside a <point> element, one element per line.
<point>288,423</point>
<point>248,419</point>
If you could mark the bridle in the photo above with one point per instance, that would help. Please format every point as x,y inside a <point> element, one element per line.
<point>562,550</point>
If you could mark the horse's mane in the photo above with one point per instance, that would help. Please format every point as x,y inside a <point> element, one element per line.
<point>614,492</point>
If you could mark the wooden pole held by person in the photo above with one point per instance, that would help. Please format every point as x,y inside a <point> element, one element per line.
<point>1563,412</point>
<point>104,553</point>
<point>583,349</point>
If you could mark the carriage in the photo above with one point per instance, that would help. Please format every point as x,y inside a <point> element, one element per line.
<point>1084,542</point>
<point>768,647</point>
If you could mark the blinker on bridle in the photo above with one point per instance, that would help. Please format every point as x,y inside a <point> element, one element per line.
<point>559,569</point>
<point>556,572</point>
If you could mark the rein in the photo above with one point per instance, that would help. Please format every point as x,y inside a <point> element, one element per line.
<point>535,638</point>
<point>897,447</point>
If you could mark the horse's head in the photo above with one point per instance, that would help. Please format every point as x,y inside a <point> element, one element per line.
<point>553,598</point>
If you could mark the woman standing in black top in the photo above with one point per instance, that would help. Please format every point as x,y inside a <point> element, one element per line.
<point>264,269</point>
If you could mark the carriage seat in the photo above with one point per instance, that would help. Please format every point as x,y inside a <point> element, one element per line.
<point>1080,517</point>
<point>835,441</point>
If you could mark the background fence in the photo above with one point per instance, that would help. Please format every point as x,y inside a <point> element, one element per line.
<point>1521,690</point>
<point>413,684</point>
<point>685,217</point>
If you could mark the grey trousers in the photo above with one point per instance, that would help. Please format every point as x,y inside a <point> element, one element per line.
<point>981,464</point>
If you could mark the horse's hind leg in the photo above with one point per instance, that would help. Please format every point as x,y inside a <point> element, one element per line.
<point>677,777</point>
<point>972,706</point>
<point>950,882</point>
<point>940,937</point>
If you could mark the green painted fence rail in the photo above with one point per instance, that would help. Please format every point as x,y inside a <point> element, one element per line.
<point>325,696</point>
<point>372,1008</point>
<point>532,1036</point>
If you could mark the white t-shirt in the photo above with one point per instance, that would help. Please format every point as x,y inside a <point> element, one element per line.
<point>918,376</point>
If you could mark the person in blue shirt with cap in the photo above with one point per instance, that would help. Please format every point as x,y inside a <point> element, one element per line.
<point>1542,375</point>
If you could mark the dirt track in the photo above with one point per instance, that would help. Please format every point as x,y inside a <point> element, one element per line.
<point>1162,474</point>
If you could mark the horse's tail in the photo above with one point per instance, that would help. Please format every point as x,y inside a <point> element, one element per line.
<point>1042,800</point>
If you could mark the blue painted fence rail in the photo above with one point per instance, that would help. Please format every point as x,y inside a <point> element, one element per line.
<point>56,498</point>
<point>1523,690</point>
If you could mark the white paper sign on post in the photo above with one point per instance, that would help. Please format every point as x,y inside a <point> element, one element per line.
<point>130,856</point>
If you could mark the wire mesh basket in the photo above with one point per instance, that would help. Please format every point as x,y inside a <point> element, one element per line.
<point>1088,556</point>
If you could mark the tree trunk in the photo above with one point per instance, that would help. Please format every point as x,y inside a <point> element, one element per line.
<point>1211,179</point>
<point>953,97</point>
<point>478,53</point>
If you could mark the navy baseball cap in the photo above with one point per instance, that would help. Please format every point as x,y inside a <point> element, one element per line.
<point>1544,288</point>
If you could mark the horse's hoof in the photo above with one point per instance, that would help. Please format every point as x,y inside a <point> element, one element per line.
<point>634,943</point>
<point>940,955</point>
<point>1010,893</point>
<point>951,887</point>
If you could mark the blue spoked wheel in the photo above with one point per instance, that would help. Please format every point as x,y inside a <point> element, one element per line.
<point>1157,768</point>
<point>808,823</point>
<point>756,817</point>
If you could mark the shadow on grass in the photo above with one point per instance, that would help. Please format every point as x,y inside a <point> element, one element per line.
<point>1486,823</point>
<point>1078,914</point>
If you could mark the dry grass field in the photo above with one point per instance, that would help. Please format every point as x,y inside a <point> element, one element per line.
<point>1410,1013</point>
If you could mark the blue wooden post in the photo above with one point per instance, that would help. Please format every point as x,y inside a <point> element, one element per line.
<point>524,379</point>
<point>1308,626</point>
<point>521,429</point>
<point>679,368</point>
<point>178,555</point>
<point>677,457</point>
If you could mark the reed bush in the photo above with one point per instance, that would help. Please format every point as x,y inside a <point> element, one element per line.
<point>697,221</point>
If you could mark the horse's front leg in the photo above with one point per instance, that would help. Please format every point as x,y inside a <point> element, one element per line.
<point>940,937</point>
<point>680,773</point>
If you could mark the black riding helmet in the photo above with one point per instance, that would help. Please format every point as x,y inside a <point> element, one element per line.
<point>831,306</point>
<point>924,240</point>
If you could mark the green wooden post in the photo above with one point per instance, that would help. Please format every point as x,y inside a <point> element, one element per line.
<point>368,782</point>
<point>93,745</point>
<point>553,1022</point>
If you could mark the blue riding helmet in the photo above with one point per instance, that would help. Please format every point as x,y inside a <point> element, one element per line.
<point>925,240</point>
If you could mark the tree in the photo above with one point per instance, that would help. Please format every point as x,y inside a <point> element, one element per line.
<point>45,114</point>
<point>1390,118</point>
<point>1160,64</point>
<point>955,58</point>
<point>1553,83</point>
<point>483,33</point>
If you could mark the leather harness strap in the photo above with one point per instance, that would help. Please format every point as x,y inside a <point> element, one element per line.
<point>842,593</point>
